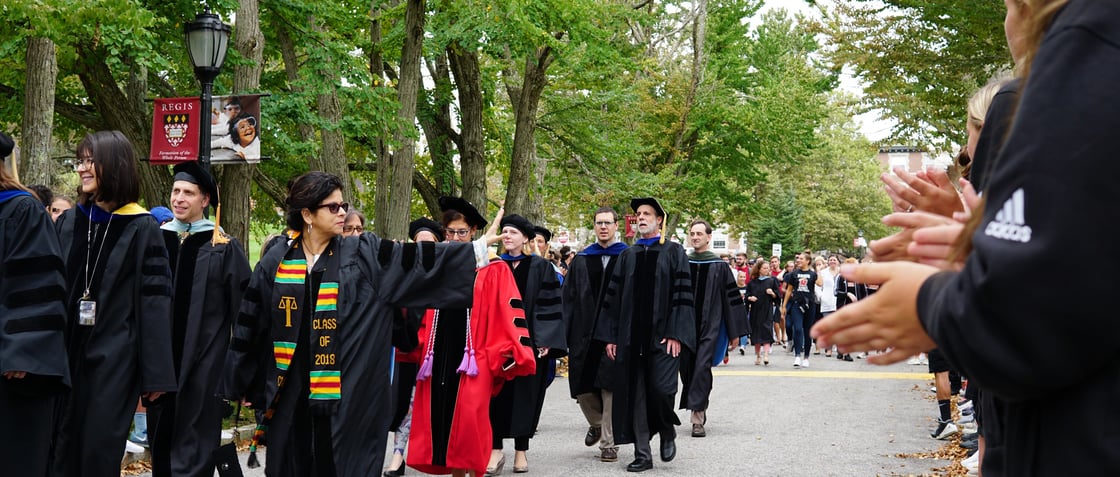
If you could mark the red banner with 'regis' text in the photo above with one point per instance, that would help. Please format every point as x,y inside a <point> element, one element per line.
<point>175,130</point>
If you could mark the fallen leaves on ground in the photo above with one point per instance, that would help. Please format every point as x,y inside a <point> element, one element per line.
<point>137,468</point>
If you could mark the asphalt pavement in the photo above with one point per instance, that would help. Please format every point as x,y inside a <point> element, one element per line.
<point>834,418</point>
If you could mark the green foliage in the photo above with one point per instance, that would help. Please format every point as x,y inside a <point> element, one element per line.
<point>781,223</point>
<point>919,60</point>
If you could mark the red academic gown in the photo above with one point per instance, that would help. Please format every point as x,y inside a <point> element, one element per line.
<point>450,414</point>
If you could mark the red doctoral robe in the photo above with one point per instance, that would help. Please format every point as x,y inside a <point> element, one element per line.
<point>451,410</point>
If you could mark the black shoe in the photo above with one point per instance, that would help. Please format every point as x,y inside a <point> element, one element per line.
<point>848,357</point>
<point>668,449</point>
<point>593,435</point>
<point>639,465</point>
<point>399,471</point>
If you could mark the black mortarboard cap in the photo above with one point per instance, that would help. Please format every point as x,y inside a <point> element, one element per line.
<point>650,201</point>
<point>520,223</point>
<point>424,223</point>
<point>192,172</point>
<point>543,232</point>
<point>7,145</point>
<point>460,205</point>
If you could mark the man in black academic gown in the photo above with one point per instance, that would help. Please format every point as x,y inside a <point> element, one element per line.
<point>209,274</point>
<point>588,370</point>
<point>647,318</point>
<point>719,313</point>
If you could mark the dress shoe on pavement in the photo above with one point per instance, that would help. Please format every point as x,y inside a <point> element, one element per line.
<point>639,465</point>
<point>609,455</point>
<point>593,435</point>
<point>399,471</point>
<point>668,449</point>
<point>698,430</point>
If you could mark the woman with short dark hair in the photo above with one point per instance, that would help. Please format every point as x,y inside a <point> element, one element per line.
<point>318,313</point>
<point>119,297</point>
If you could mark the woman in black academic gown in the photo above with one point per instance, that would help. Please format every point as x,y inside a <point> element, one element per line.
<point>319,314</point>
<point>762,293</point>
<point>33,366</point>
<point>515,411</point>
<point>119,300</point>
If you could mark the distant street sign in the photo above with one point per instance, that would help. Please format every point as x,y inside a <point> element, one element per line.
<point>776,250</point>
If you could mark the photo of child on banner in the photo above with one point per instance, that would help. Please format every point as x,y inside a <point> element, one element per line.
<point>235,129</point>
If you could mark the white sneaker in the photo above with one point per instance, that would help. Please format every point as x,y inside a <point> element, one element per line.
<point>133,448</point>
<point>797,361</point>
<point>913,360</point>
<point>805,362</point>
<point>944,430</point>
<point>965,405</point>
<point>972,464</point>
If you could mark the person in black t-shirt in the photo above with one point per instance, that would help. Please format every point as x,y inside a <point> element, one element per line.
<point>799,287</point>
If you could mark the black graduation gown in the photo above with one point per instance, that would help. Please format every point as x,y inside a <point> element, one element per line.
<point>718,304</point>
<point>127,352</point>
<point>649,298</point>
<point>762,311</point>
<point>208,280</point>
<point>589,370</point>
<point>377,277</point>
<point>516,410</point>
<point>32,317</point>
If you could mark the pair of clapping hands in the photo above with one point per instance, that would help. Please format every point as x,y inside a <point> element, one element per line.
<point>932,215</point>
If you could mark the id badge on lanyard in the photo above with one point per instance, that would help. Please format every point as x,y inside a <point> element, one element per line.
<point>87,312</point>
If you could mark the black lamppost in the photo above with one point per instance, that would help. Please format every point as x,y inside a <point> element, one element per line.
<point>207,40</point>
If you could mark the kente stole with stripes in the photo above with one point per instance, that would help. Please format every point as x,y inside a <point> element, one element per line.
<point>288,310</point>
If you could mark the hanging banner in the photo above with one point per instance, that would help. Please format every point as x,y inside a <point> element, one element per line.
<point>234,123</point>
<point>174,130</point>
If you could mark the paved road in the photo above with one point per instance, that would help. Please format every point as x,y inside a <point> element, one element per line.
<point>833,419</point>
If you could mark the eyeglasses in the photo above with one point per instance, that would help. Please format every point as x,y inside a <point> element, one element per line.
<point>458,232</point>
<point>352,228</point>
<point>604,223</point>
<point>79,162</point>
<point>333,207</point>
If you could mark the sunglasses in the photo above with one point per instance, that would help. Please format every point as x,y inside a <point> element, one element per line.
<point>333,207</point>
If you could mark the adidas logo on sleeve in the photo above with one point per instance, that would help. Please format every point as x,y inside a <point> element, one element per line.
<point>1010,222</point>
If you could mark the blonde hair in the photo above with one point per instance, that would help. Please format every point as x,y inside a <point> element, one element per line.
<point>981,100</point>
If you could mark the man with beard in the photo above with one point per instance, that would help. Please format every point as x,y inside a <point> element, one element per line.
<point>647,317</point>
<point>719,313</point>
<point>209,273</point>
<point>588,372</point>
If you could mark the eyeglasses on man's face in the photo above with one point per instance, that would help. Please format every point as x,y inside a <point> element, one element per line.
<point>458,232</point>
<point>353,228</point>
<point>604,223</point>
<point>334,207</point>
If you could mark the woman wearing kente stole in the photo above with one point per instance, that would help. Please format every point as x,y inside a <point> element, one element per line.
<point>318,316</point>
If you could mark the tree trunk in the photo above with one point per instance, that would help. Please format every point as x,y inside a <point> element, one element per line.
<point>404,157</point>
<point>472,161</point>
<point>237,179</point>
<point>332,157</point>
<point>38,112</point>
<point>524,144</point>
<point>291,70</point>
<point>699,30</point>
<point>435,120</point>
<point>120,114</point>
<point>380,150</point>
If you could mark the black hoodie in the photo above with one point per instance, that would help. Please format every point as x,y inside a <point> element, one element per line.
<point>1003,321</point>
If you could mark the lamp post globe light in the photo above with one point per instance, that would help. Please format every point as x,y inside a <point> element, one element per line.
<point>207,40</point>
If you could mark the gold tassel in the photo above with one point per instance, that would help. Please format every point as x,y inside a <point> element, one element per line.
<point>662,240</point>
<point>218,238</point>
